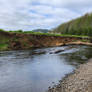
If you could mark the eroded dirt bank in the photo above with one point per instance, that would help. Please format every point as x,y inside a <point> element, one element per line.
<point>79,43</point>
<point>17,41</point>
<point>79,81</point>
<point>24,41</point>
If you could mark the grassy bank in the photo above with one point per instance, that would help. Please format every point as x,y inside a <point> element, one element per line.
<point>48,34</point>
<point>14,40</point>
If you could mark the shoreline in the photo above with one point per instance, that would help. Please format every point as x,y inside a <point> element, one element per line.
<point>80,80</point>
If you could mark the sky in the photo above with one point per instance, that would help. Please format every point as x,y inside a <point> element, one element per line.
<point>40,14</point>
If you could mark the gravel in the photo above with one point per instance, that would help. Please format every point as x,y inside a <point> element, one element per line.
<point>79,81</point>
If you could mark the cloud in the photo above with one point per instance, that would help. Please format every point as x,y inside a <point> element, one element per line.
<point>33,14</point>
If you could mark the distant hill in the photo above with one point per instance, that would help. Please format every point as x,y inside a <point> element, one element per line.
<point>41,30</point>
<point>79,26</point>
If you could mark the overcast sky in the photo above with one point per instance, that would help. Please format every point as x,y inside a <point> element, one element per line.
<point>35,14</point>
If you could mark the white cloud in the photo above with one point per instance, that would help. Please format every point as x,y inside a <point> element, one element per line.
<point>33,14</point>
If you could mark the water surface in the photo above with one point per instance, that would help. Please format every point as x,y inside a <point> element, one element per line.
<point>36,70</point>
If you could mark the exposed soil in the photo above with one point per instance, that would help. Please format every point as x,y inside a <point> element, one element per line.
<point>19,41</point>
<point>79,43</point>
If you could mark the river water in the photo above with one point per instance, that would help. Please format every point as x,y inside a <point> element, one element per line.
<point>35,70</point>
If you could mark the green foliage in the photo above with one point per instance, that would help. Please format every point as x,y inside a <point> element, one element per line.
<point>3,46</point>
<point>47,34</point>
<point>2,30</point>
<point>17,31</point>
<point>79,26</point>
<point>85,40</point>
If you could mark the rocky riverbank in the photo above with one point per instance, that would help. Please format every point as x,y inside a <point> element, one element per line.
<point>79,81</point>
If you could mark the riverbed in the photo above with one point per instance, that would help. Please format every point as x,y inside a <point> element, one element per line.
<point>37,69</point>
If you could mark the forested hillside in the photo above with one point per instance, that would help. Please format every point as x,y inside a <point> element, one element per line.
<point>79,26</point>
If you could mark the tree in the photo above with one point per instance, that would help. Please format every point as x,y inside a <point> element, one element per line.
<point>20,31</point>
<point>90,34</point>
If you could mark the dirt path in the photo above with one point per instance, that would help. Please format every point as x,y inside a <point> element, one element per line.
<point>79,81</point>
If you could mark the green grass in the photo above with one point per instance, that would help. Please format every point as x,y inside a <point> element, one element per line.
<point>3,46</point>
<point>48,34</point>
<point>85,40</point>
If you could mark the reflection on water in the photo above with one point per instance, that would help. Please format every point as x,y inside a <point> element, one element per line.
<point>36,70</point>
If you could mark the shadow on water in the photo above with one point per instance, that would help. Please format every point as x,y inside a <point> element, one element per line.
<point>35,70</point>
<point>81,55</point>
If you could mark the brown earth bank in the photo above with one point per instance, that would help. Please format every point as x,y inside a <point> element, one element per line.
<point>79,81</point>
<point>19,41</point>
<point>22,41</point>
<point>28,41</point>
<point>79,43</point>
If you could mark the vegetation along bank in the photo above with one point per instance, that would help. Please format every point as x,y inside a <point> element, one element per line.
<point>27,40</point>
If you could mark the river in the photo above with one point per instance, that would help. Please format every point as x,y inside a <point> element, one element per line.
<point>37,69</point>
